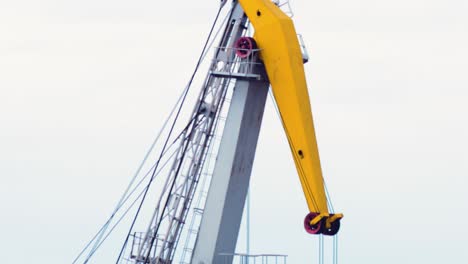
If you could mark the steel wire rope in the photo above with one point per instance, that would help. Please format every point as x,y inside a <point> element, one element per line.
<point>126,194</point>
<point>136,187</point>
<point>335,237</point>
<point>211,147</point>
<point>132,192</point>
<point>176,174</point>
<point>321,251</point>
<point>186,146</point>
<point>148,173</point>
<point>335,249</point>
<point>141,181</point>
<point>153,144</point>
<point>129,194</point>
<point>217,32</point>
<point>154,167</point>
<point>170,132</point>
<point>330,204</point>
<point>129,207</point>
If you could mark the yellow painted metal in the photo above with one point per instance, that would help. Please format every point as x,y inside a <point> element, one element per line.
<point>280,51</point>
<point>316,220</point>
<point>335,217</point>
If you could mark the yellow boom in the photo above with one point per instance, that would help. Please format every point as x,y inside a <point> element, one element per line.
<point>279,47</point>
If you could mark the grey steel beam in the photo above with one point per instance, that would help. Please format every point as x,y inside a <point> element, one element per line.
<point>228,189</point>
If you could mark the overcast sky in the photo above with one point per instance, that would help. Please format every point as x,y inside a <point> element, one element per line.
<point>85,85</point>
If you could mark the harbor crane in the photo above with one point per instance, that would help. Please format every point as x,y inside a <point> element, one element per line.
<point>272,57</point>
<point>246,65</point>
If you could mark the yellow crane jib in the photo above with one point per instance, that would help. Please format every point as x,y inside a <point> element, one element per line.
<point>280,51</point>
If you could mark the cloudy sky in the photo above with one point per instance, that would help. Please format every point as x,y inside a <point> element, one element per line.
<point>85,85</point>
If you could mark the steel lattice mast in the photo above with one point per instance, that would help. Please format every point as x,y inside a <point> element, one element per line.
<point>160,240</point>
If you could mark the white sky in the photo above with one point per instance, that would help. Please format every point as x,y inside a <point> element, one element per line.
<point>85,85</point>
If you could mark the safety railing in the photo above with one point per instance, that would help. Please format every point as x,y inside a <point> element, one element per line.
<point>137,241</point>
<point>230,64</point>
<point>237,258</point>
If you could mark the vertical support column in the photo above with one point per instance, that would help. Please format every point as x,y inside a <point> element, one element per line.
<point>222,217</point>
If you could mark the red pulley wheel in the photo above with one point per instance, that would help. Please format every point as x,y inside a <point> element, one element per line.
<point>244,47</point>
<point>315,229</point>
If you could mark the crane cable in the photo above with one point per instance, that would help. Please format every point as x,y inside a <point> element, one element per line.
<point>99,237</point>
<point>123,202</point>
<point>130,206</point>
<point>335,237</point>
<point>176,174</point>
<point>132,192</point>
<point>137,198</point>
<point>170,132</point>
